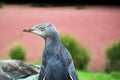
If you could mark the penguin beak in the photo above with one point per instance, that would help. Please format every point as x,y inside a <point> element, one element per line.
<point>28,30</point>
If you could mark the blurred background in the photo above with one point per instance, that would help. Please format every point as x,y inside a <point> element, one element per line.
<point>90,29</point>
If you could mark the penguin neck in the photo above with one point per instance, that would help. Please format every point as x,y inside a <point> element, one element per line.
<point>52,41</point>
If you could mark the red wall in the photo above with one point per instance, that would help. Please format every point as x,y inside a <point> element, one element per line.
<point>95,27</point>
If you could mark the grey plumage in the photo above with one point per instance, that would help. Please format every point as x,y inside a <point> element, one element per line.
<point>57,63</point>
<point>14,69</point>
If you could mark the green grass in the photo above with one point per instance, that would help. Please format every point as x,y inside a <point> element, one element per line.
<point>98,76</point>
<point>115,75</point>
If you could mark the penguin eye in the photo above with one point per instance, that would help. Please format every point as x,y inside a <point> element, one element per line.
<point>41,28</point>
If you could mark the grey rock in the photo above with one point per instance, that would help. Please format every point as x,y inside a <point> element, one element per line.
<point>14,69</point>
